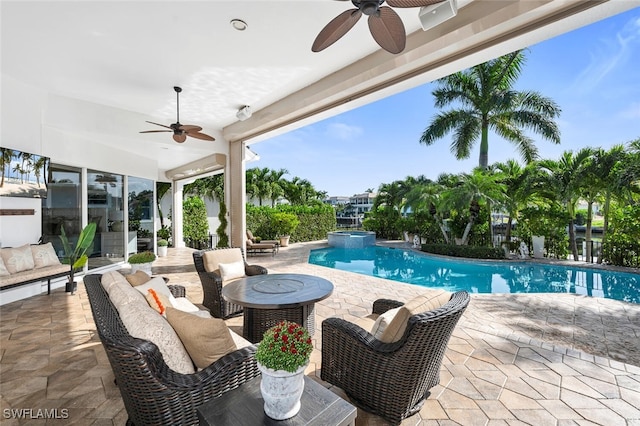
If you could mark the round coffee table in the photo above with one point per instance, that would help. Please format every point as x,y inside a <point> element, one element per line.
<point>269,299</point>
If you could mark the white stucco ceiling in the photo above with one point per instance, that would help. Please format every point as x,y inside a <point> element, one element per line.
<point>128,56</point>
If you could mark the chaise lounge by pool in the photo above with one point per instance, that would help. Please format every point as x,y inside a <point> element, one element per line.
<point>478,276</point>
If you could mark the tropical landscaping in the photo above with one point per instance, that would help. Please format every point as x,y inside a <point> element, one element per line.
<point>485,213</point>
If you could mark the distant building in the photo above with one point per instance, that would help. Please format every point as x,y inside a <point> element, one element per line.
<point>355,206</point>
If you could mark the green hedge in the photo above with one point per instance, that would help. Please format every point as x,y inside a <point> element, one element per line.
<point>315,221</point>
<point>473,252</point>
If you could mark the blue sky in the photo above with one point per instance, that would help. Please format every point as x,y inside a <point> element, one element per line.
<point>593,73</point>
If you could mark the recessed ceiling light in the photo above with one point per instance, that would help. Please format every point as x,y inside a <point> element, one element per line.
<point>239,24</point>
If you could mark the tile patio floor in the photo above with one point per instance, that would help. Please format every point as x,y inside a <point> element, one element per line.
<point>513,359</point>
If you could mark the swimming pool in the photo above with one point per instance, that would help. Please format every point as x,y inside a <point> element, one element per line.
<point>477,276</point>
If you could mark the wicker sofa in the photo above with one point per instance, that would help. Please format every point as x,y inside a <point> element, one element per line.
<point>392,379</point>
<point>206,263</point>
<point>152,392</point>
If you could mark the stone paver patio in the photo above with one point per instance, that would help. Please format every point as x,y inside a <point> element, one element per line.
<point>517,359</point>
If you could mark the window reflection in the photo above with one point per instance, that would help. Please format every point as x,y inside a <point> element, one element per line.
<point>105,192</point>
<point>141,218</point>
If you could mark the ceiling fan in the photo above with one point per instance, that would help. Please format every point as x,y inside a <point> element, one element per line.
<point>384,23</point>
<point>180,131</point>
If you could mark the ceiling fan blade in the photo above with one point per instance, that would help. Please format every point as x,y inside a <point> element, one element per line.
<point>158,124</point>
<point>156,131</point>
<point>412,3</point>
<point>336,29</point>
<point>178,137</point>
<point>189,128</point>
<point>199,135</point>
<point>388,30</point>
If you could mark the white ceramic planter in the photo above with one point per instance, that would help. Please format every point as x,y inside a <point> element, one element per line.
<point>281,391</point>
<point>144,267</point>
<point>162,251</point>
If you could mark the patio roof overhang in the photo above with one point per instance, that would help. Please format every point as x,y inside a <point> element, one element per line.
<point>101,69</point>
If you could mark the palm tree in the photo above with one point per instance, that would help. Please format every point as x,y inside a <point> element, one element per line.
<point>277,184</point>
<point>514,177</point>
<point>6,155</point>
<point>474,190</point>
<point>427,196</point>
<point>38,166</point>
<point>488,102</point>
<point>560,182</point>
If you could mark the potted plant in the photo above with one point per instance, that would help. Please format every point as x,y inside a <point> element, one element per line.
<point>77,257</point>
<point>162,247</point>
<point>282,356</point>
<point>284,224</point>
<point>141,261</point>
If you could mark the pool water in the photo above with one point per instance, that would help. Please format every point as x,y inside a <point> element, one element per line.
<point>477,276</point>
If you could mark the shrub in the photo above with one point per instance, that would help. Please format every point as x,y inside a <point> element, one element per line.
<point>223,238</point>
<point>142,257</point>
<point>284,223</point>
<point>194,222</point>
<point>163,243</point>
<point>315,221</point>
<point>464,251</point>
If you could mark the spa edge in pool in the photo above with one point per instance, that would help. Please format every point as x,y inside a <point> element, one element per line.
<point>351,239</point>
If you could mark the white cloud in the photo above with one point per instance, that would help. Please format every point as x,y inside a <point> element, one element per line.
<point>613,53</point>
<point>343,131</point>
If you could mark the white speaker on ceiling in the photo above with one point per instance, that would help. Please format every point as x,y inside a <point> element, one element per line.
<point>243,113</point>
<point>436,14</point>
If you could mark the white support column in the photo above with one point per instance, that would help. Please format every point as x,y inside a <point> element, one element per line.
<point>235,196</point>
<point>176,215</point>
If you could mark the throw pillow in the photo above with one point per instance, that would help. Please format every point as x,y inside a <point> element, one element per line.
<point>157,301</point>
<point>211,258</point>
<point>206,339</point>
<point>110,278</point>
<point>139,278</point>
<point>427,301</point>
<point>383,322</point>
<point>122,295</point>
<point>156,283</point>
<point>44,255</point>
<point>231,271</point>
<point>18,259</point>
<point>145,323</point>
<point>3,269</point>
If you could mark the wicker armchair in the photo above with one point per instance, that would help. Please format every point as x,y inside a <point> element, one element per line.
<point>212,281</point>
<point>153,393</point>
<point>391,380</point>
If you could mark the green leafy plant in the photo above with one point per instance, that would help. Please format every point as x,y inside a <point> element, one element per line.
<point>285,346</point>
<point>194,222</point>
<point>284,223</point>
<point>77,257</point>
<point>223,238</point>
<point>142,257</point>
<point>163,243</point>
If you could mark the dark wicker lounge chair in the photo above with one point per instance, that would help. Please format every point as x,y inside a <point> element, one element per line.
<point>391,380</point>
<point>212,285</point>
<point>152,393</point>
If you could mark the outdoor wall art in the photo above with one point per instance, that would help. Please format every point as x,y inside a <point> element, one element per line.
<point>23,174</point>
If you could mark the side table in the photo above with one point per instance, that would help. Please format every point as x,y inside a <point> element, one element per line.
<point>243,406</point>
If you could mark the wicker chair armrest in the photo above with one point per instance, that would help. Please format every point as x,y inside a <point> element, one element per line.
<point>177,290</point>
<point>381,306</point>
<point>254,270</point>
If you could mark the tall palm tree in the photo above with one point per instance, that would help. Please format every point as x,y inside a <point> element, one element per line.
<point>559,181</point>
<point>514,177</point>
<point>258,185</point>
<point>277,184</point>
<point>487,101</point>
<point>609,164</point>
<point>427,196</point>
<point>474,190</point>
<point>6,155</point>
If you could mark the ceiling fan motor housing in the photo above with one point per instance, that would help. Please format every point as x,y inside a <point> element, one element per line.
<point>368,7</point>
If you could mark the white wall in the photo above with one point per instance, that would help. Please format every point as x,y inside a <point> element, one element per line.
<point>18,230</point>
